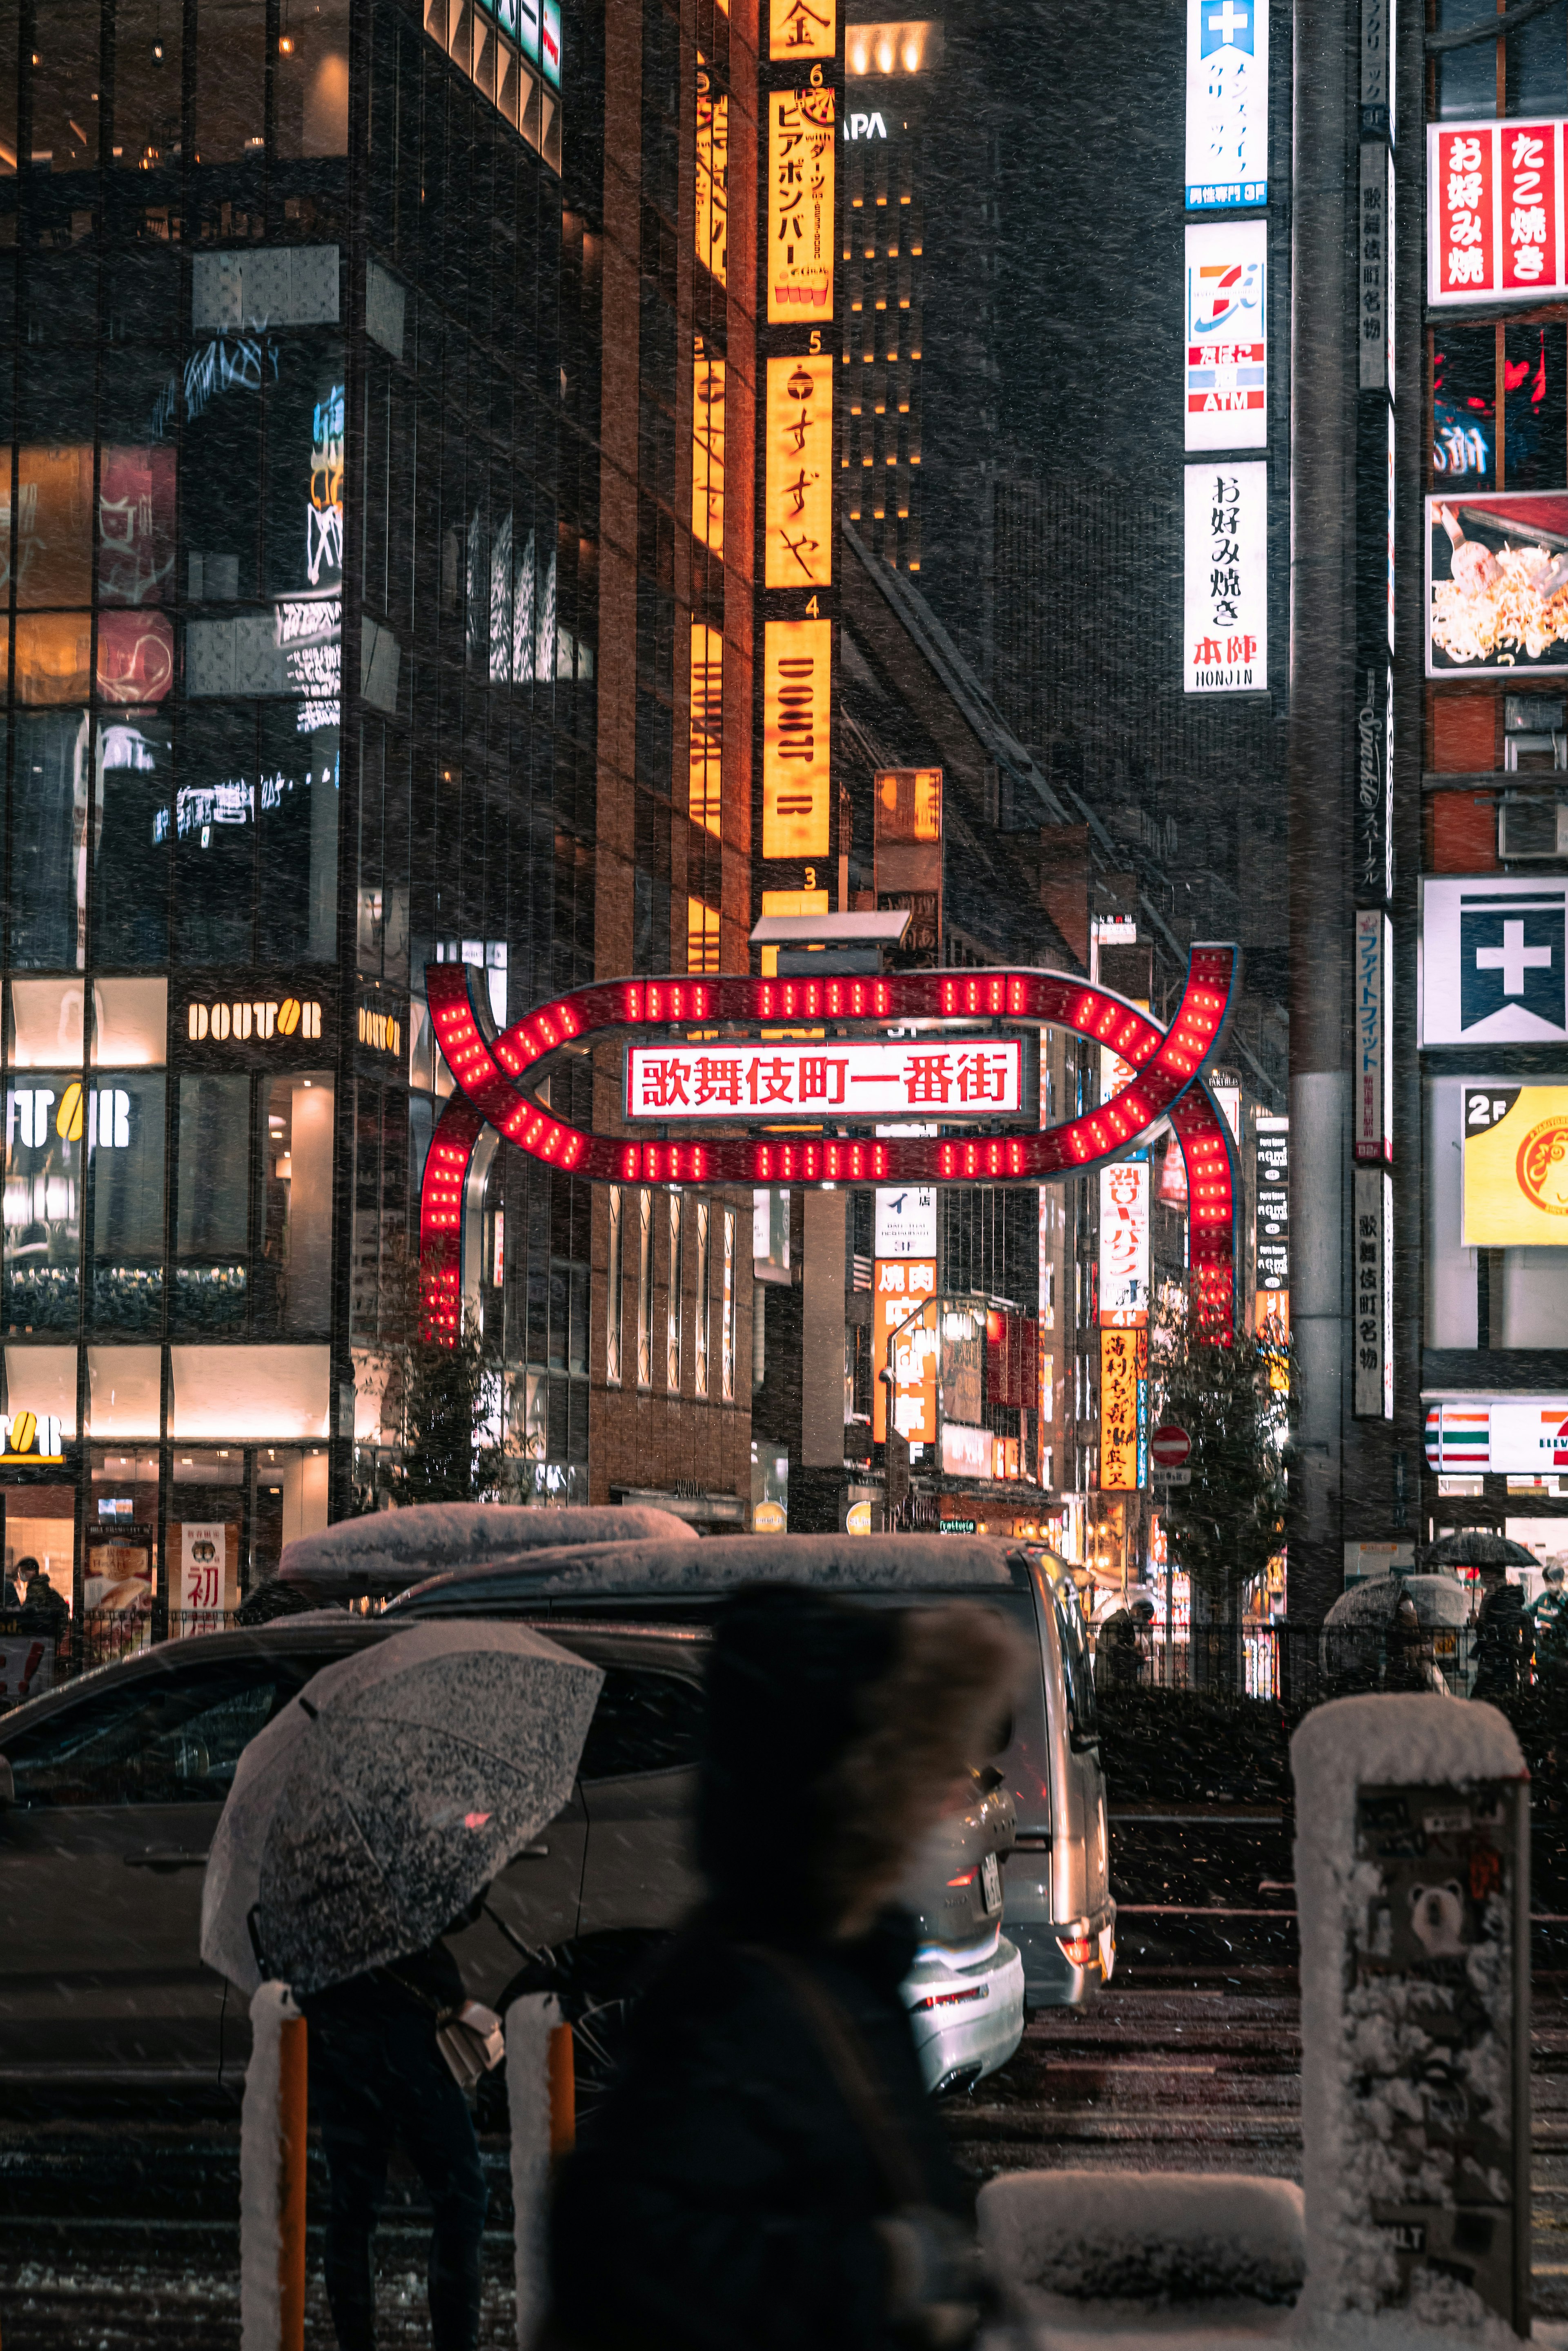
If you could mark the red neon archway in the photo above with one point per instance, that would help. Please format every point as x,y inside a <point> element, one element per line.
<point>492,1071</point>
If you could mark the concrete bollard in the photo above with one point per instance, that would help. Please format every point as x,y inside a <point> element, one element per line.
<point>273,2148</point>
<point>1412,1892</point>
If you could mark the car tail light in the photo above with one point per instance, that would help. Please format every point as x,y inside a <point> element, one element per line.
<point>952,1999</point>
<point>1082,1950</point>
<point>968,1878</point>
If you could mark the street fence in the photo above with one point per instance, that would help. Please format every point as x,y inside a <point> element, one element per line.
<point>1300,1665</point>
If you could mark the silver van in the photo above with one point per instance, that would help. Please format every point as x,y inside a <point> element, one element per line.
<point>1057,1904</point>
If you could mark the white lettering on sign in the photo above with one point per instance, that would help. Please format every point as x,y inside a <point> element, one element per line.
<point>31,1437</point>
<point>243,1020</point>
<point>843,1080</point>
<point>864,126</point>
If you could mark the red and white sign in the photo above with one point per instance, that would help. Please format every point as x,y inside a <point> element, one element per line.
<point>1124,1244</point>
<point>1169,1447</point>
<point>853,1079</point>
<point>1226,326</point>
<point>1494,210</point>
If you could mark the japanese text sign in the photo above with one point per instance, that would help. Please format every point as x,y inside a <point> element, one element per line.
<point>802,28</point>
<point>1124,1243</point>
<point>1124,1411</point>
<point>1373,1035</point>
<point>1516,1163</point>
<point>846,1079</point>
<point>900,1288</point>
<point>1271,1231</point>
<point>707,452</point>
<point>1226,601</point>
<point>800,548</point>
<point>208,1550</point>
<point>1227,104</point>
<point>1494,210</point>
<point>1373,1258</point>
<point>712,223</point>
<point>703,792</point>
<point>800,205</point>
<point>1227,296</point>
<point>796,713</point>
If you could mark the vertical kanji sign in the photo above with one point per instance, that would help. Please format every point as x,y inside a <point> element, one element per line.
<point>1225,600</point>
<point>1494,210</point>
<point>800,205</point>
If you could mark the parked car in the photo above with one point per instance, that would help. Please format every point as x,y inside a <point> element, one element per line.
<point>365,1561</point>
<point>110,1791</point>
<point>1058,1908</point>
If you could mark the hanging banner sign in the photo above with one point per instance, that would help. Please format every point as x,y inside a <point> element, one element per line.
<point>1227,578</point>
<point>800,447</point>
<point>1373,1035</point>
<point>800,206</point>
<point>1227,104</point>
<point>795,726</point>
<point>1373,1390</point>
<point>1124,1244</point>
<point>1227,376</point>
<point>1124,1411</point>
<point>848,1079</point>
<point>1494,212</point>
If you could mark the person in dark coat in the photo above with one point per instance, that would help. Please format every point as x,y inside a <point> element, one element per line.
<point>377,2075</point>
<point>43,1608</point>
<point>1501,1637</point>
<point>768,2174</point>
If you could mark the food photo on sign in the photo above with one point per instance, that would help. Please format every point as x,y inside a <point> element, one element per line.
<point>1497,585</point>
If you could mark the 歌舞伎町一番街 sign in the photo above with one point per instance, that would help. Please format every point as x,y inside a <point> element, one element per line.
<point>849,1079</point>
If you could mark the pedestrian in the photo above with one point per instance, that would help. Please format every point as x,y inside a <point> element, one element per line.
<point>377,2075</point>
<point>1118,1644</point>
<point>42,1606</point>
<point>1549,1622</point>
<point>1410,1665</point>
<point>1501,1633</point>
<point>767,2173</point>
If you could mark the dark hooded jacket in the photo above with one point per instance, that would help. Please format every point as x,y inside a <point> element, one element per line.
<point>771,2112</point>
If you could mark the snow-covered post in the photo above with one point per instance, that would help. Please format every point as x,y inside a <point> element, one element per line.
<point>1412,1893</point>
<point>540,2099</point>
<point>272,2161</point>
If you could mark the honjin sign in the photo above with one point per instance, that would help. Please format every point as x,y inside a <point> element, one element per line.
<point>1226,601</point>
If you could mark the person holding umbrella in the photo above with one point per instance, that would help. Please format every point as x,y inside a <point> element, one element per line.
<point>365,1821</point>
<point>768,2174</point>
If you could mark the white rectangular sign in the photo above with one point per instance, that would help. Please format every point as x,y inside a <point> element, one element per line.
<point>906,1222</point>
<point>1494,212</point>
<point>1225,334</point>
<point>869,1079</point>
<point>1373,1258</point>
<point>966,1452</point>
<point>1373,1034</point>
<point>1492,960</point>
<point>1124,1244</point>
<point>1227,104</point>
<point>1225,598</point>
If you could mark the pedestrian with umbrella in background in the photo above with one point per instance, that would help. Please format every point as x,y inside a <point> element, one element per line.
<point>1549,1620</point>
<point>366,1820</point>
<point>1501,1641</point>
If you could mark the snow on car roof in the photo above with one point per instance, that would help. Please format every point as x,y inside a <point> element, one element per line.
<point>430,1536</point>
<point>867,1562</point>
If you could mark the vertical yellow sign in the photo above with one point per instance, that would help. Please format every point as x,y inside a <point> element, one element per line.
<point>796,707</point>
<point>800,552</point>
<point>707,450</point>
<point>703,785</point>
<point>802,28</point>
<point>1119,1411</point>
<point>800,205</point>
<point>712,236</point>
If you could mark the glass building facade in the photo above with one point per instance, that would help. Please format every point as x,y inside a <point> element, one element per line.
<point>298,401</point>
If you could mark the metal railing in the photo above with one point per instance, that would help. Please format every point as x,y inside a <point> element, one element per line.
<point>1299,1666</point>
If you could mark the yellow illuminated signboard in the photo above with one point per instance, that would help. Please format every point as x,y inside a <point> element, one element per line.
<point>703,790</point>
<point>1516,1167</point>
<point>796,705</point>
<point>707,452</point>
<point>241,1022</point>
<point>799,472</point>
<point>28,1438</point>
<point>713,180</point>
<point>802,28</point>
<point>800,206</point>
<point>1122,1357</point>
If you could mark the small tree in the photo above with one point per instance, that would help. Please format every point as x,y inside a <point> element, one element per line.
<point>446,1399</point>
<point>1233,1400</point>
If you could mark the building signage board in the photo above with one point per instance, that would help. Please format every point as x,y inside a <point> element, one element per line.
<point>899,1286</point>
<point>966,1452</point>
<point>1226,598</point>
<point>802,28</point>
<point>1494,212</point>
<point>1124,1243</point>
<point>800,206</point>
<point>913,1348</point>
<point>1271,1231</point>
<point>208,1592</point>
<point>1227,104</point>
<point>1374,1045</point>
<point>1225,334</point>
<point>797,708</point>
<point>1492,960</point>
<point>1376,71</point>
<point>1516,1167</point>
<point>906,1223</point>
<point>799,462</point>
<point>1373,1256</point>
<point>1124,1411</point>
<point>1519,1436</point>
<point>1497,586</point>
<point>1374,784</point>
<point>1376,186</point>
<point>869,1078</point>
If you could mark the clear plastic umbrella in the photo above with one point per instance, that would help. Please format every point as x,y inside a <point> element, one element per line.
<point>386,1795</point>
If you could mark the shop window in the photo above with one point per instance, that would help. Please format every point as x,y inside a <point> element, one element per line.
<point>53,526</point>
<point>147,50</point>
<point>124,1391</point>
<point>264,1396</point>
<point>44,1142</point>
<point>54,658</point>
<point>136,526</point>
<point>1535,412</point>
<point>67,98</point>
<point>214,837</point>
<point>295,1265</point>
<point>133,827</point>
<point>130,1023</point>
<point>1464,407</point>
<point>296,832</point>
<point>1537,69</point>
<point>211,1276</point>
<point>1466,77</point>
<point>46,1023</point>
<point>220,463</point>
<point>231,81</point>
<point>312,82</point>
<point>125,1146</point>
<point>40,1533</point>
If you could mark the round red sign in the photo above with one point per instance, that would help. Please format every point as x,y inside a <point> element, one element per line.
<point>1169,1447</point>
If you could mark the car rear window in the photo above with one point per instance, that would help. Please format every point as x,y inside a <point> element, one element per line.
<point>1078,1671</point>
<point>645,1722</point>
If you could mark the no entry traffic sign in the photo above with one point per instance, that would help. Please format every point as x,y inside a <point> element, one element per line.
<point>1170,1446</point>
